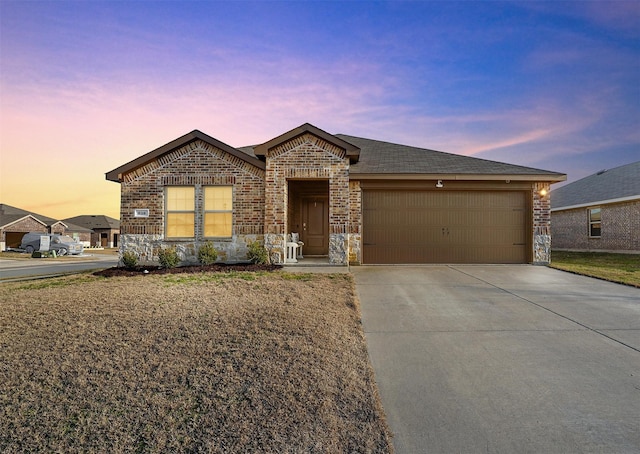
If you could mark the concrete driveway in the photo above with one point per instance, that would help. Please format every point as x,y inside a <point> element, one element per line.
<point>503,359</point>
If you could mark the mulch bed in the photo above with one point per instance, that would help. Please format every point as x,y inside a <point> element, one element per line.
<point>191,269</point>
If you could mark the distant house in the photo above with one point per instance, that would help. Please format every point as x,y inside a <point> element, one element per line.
<point>15,222</point>
<point>105,230</point>
<point>349,199</point>
<point>600,212</point>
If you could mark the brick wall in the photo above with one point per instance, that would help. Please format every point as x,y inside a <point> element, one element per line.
<point>26,225</point>
<point>196,164</point>
<point>82,237</point>
<point>541,205</point>
<point>620,228</point>
<point>307,157</point>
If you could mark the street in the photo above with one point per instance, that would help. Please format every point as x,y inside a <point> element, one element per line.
<point>12,269</point>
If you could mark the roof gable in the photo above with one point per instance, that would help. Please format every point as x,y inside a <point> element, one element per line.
<point>117,174</point>
<point>9,214</point>
<point>369,158</point>
<point>351,150</point>
<point>607,185</point>
<point>379,158</point>
<point>7,220</point>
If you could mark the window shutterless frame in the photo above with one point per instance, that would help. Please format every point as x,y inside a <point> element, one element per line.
<point>179,211</point>
<point>595,222</point>
<point>217,211</point>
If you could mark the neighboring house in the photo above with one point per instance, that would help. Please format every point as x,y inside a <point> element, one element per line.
<point>350,199</point>
<point>79,233</point>
<point>15,222</point>
<point>600,212</point>
<point>105,230</point>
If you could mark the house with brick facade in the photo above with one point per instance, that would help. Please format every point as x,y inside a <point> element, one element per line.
<point>104,230</point>
<point>348,199</point>
<point>16,222</point>
<point>600,212</point>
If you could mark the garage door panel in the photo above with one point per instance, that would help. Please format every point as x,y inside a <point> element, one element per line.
<point>444,227</point>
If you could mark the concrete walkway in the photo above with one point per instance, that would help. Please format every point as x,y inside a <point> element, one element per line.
<point>503,359</point>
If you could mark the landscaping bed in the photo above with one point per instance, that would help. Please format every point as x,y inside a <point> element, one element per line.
<point>216,268</point>
<point>190,362</point>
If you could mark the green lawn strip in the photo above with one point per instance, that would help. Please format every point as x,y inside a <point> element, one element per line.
<point>619,268</point>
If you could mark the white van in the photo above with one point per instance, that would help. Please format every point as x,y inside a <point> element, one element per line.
<point>62,244</point>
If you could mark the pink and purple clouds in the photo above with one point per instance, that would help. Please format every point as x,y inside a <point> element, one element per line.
<point>93,85</point>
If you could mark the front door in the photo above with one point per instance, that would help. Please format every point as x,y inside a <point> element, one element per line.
<point>315,225</point>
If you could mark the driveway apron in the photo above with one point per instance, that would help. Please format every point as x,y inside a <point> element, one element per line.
<point>503,359</point>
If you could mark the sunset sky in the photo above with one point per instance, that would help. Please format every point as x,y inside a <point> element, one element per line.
<point>88,86</point>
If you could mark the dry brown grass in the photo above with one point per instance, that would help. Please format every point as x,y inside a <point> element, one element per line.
<point>265,362</point>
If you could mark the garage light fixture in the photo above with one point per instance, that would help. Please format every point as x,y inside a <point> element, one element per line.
<point>543,192</point>
<point>439,184</point>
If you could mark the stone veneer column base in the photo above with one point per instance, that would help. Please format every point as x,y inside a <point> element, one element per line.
<point>541,246</point>
<point>355,251</point>
<point>274,244</point>
<point>338,248</point>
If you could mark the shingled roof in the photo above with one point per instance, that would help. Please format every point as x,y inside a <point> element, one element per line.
<point>10,214</point>
<point>374,159</point>
<point>377,157</point>
<point>617,184</point>
<point>94,221</point>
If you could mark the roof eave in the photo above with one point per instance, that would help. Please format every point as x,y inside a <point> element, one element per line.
<point>595,203</point>
<point>551,178</point>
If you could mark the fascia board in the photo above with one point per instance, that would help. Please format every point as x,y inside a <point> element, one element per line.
<point>455,177</point>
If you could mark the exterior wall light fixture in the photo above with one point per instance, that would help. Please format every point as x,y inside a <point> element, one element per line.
<point>439,184</point>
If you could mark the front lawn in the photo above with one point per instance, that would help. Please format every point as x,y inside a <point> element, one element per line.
<point>621,268</point>
<point>209,362</point>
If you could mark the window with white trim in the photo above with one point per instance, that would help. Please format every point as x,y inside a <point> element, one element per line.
<point>595,222</point>
<point>218,211</point>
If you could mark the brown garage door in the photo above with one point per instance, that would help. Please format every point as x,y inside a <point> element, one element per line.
<point>444,226</point>
<point>13,239</point>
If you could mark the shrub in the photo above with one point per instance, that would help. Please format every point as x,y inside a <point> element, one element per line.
<point>207,254</point>
<point>257,253</point>
<point>168,257</point>
<point>129,259</point>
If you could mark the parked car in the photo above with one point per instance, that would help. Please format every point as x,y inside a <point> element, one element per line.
<point>62,244</point>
